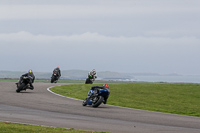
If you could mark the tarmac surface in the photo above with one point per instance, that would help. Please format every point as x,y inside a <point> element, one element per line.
<point>40,107</point>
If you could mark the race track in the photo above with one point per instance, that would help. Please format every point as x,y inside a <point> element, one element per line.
<point>41,107</point>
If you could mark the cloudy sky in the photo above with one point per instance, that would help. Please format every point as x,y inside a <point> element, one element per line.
<point>108,35</point>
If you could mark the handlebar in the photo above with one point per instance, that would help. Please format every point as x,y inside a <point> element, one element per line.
<point>26,77</point>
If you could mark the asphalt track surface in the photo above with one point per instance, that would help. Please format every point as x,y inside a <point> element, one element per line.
<point>41,107</point>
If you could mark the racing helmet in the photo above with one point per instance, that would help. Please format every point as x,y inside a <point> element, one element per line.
<point>94,71</point>
<point>106,85</point>
<point>30,71</point>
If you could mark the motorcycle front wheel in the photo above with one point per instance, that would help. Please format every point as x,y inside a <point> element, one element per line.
<point>53,79</point>
<point>88,81</point>
<point>20,87</point>
<point>98,101</point>
<point>84,102</point>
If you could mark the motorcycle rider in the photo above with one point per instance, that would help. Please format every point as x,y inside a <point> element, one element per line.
<point>105,87</point>
<point>57,71</point>
<point>92,74</point>
<point>29,74</point>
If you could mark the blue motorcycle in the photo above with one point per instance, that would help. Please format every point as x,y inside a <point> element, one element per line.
<point>96,97</point>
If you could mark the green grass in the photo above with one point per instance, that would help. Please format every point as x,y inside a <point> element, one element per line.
<point>6,127</point>
<point>83,81</point>
<point>74,81</point>
<point>181,99</point>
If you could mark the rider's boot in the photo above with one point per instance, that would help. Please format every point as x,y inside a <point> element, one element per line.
<point>105,101</point>
<point>31,86</point>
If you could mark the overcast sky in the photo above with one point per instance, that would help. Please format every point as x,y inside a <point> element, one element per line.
<point>108,35</point>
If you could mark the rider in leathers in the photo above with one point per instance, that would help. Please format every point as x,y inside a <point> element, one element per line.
<point>30,73</point>
<point>105,87</point>
<point>57,69</point>
<point>92,74</point>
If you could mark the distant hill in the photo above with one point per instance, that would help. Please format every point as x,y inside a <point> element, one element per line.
<point>67,74</point>
<point>82,74</point>
<point>17,74</point>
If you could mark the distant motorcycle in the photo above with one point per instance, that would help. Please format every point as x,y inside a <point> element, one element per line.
<point>96,97</point>
<point>54,77</point>
<point>89,80</point>
<point>24,84</point>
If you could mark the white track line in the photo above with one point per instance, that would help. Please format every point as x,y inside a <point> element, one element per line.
<point>110,105</point>
<point>82,100</point>
<point>61,95</point>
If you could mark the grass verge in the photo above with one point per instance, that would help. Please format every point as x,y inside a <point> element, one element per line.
<point>6,127</point>
<point>75,81</point>
<point>181,99</point>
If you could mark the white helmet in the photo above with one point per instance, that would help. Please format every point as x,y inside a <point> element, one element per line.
<point>93,71</point>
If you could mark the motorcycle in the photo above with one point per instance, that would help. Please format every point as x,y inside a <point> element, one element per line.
<point>24,84</point>
<point>54,77</point>
<point>89,80</point>
<point>96,97</point>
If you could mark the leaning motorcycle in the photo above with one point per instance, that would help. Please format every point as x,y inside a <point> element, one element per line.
<point>96,97</point>
<point>54,77</point>
<point>24,84</point>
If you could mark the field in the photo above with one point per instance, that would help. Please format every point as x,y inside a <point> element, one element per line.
<point>181,99</point>
<point>75,81</point>
<point>6,127</point>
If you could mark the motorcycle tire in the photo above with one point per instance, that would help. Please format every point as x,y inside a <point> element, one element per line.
<point>52,79</point>
<point>84,102</point>
<point>20,87</point>
<point>88,81</point>
<point>98,102</point>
